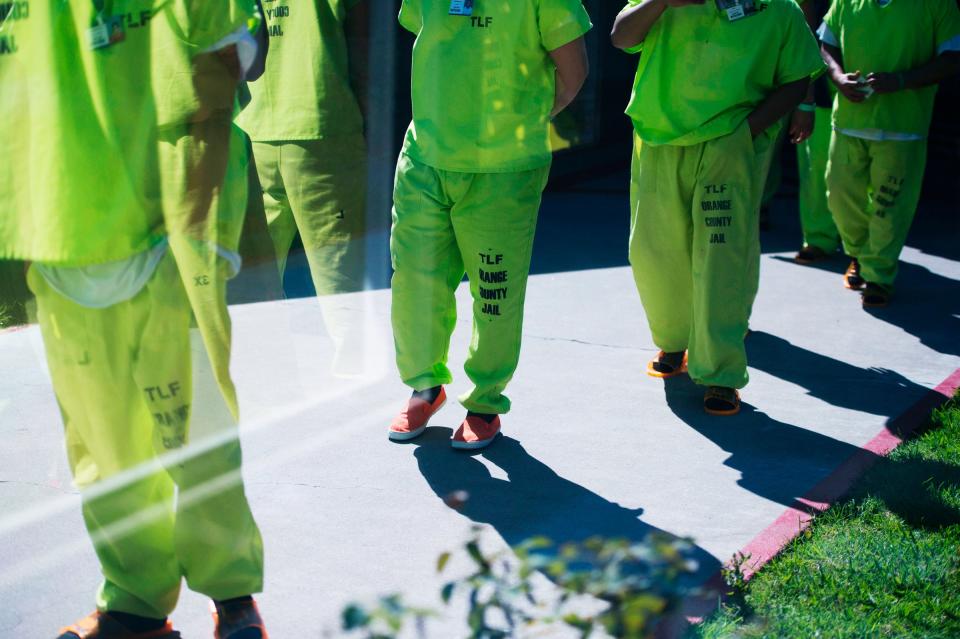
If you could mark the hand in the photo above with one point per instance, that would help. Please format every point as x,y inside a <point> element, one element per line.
<point>885,82</point>
<point>848,84</point>
<point>801,126</point>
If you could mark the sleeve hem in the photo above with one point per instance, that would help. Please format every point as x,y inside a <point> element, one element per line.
<point>565,34</point>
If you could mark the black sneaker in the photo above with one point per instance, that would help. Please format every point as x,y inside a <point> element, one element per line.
<point>875,295</point>
<point>810,254</point>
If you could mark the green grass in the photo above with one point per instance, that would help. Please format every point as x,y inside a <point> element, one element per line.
<point>885,562</point>
<point>13,294</point>
<point>12,314</point>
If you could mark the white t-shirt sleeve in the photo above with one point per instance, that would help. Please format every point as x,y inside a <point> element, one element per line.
<point>246,47</point>
<point>826,35</point>
<point>953,44</point>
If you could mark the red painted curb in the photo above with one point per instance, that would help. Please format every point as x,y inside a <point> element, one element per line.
<point>14,329</point>
<point>797,517</point>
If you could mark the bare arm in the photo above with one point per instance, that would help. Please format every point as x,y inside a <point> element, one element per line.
<point>572,69</point>
<point>802,122</point>
<point>848,84</point>
<point>215,78</point>
<point>632,25</point>
<point>940,68</point>
<point>357,29</point>
<point>775,106</point>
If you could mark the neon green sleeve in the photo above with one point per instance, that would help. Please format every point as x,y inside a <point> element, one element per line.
<point>562,22</point>
<point>411,16</point>
<point>946,21</point>
<point>205,23</point>
<point>799,55</point>
<point>630,4</point>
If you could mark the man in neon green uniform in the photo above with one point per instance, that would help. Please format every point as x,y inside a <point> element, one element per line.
<point>487,76</point>
<point>810,131</point>
<point>886,58</point>
<point>148,407</point>
<point>701,159</point>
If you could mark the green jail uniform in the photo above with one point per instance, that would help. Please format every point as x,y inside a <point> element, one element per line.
<point>698,177</point>
<point>727,69</point>
<point>816,221</point>
<point>874,189</point>
<point>896,37</point>
<point>695,247</point>
<point>310,151</point>
<point>878,153</point>
<point>474,163</point>
<point>152,524</point>
<point>446,224</point>
<point>131,381</point>
<point>317,188</point>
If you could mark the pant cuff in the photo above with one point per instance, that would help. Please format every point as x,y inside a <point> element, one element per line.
<point>425,382</point>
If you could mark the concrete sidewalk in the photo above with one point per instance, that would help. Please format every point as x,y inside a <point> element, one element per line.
<point>593,445</point>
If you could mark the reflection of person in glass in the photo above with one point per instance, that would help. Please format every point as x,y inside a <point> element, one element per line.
<point>468,187</point>
<point>126,256</point>
<point>306,123</point>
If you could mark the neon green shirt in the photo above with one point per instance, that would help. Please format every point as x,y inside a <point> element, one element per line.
<point>305,92</point>
<point>79,176</point>
<point>483,85</point>
<point>700,75</point>
<point>896,37</point>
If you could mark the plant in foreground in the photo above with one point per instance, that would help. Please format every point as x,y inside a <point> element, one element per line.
<point>599,587</point>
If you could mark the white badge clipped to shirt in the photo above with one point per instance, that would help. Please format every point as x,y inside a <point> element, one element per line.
<point>461,7</point>
<point>737,9</point>
<point>105,33</point>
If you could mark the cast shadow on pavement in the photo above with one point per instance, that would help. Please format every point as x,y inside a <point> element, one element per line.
<point>877,391</point>
<point>533,500</point>
<point>783,462</point>
<point>925,305</point>
<point>777,461</point>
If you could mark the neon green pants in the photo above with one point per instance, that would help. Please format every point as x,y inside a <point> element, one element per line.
<point>874,189</point>
<point>446,224</point>
<point>816,222</point>
<point>153,447</point>
<point>695,247</point>
<point>319,188</point>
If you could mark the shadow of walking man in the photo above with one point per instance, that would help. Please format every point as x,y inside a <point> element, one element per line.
<point>877,391</point>
<point>533,501</point>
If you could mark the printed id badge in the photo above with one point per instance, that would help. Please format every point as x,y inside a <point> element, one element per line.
<point>737,9</point>
<point>107,32</point>
<point>461,7</point>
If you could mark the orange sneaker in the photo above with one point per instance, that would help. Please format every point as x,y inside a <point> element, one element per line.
<point>412,420</point>
<point>666,365</point>
<point>476,433</point>
<point>235,619</point>
<point>99,625</point>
